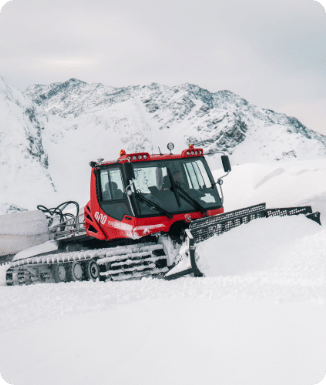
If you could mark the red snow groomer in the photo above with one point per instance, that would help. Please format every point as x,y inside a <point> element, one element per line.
<point>145,215</point>
<point>142,194</point>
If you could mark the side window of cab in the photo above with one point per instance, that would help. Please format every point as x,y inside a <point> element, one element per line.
<point>113,199</point>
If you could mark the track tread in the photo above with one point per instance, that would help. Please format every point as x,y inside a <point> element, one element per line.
<point>131,257</point>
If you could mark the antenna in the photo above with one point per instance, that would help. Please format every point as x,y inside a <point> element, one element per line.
<point>159,150</point>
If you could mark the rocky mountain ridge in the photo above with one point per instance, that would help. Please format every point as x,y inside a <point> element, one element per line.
<point>23,158</point>
<point>49,133</point>
<point>216,121</point>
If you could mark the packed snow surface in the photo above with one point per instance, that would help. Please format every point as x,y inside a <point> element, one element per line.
<point>258,317</point>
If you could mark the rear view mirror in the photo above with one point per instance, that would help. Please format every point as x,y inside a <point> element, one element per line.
<point>226,163</point>
<point>129,171</point>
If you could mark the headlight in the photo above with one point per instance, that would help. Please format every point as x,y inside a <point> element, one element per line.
<point>139,157</point>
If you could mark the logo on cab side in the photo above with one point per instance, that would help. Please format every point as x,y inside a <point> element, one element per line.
<point>100,217</point>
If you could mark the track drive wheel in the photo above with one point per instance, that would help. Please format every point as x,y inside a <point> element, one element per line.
<point>92,270</point>
<point>60,273</point>
<point>76,272</point>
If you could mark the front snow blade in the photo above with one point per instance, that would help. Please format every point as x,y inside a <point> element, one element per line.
<point>188,264</point>
<point>204,228</point>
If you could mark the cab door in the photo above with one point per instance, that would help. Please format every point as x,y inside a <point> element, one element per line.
<point>113,199</point>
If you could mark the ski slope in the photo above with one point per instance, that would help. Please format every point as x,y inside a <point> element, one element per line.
<point>257,317</point>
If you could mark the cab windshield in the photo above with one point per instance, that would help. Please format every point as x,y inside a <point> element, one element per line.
<point>153,181</point>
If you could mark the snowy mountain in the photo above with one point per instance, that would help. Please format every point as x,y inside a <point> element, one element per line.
<point>49,134</point>
<point>23,159</point>
<point>216,121</point>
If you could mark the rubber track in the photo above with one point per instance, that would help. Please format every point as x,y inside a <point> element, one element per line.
<point>131,262</point>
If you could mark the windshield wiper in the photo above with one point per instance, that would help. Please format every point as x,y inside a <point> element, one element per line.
<point>149,203</point>
<point>176,186</point>
<point>191,200</point>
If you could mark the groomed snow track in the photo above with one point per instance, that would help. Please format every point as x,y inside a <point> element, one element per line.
<point>116,264</point>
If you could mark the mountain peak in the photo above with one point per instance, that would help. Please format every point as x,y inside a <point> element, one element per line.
<point>216,121</point>
<point>37,138</point>
<point>74,80</point>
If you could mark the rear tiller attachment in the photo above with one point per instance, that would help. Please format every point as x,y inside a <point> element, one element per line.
<point>204,228</point>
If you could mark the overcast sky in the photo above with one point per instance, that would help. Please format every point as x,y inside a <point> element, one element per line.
<point>272,53</point>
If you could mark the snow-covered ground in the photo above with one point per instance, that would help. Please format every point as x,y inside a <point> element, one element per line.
<point>154,332</point>
<point>258,317</point>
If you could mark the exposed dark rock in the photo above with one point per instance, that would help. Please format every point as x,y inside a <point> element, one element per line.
<point>218,121</point>
<point>35,148</point>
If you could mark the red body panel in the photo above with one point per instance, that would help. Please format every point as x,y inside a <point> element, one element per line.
<point>101,226</point>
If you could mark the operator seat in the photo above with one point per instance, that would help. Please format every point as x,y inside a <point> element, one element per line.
<point>116,193</point>
<point>112,192</point>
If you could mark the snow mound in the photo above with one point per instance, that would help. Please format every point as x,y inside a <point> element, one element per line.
<point>318,202</point>
<point>284,184</point>
<point>277,258</point>
<point>281,248</point>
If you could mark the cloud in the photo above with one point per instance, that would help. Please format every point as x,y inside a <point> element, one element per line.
<point>54,64</point>
<point>271,53</point>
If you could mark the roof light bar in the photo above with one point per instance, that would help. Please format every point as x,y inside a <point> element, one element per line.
<point>138,156</point>
<point>192,151</point>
